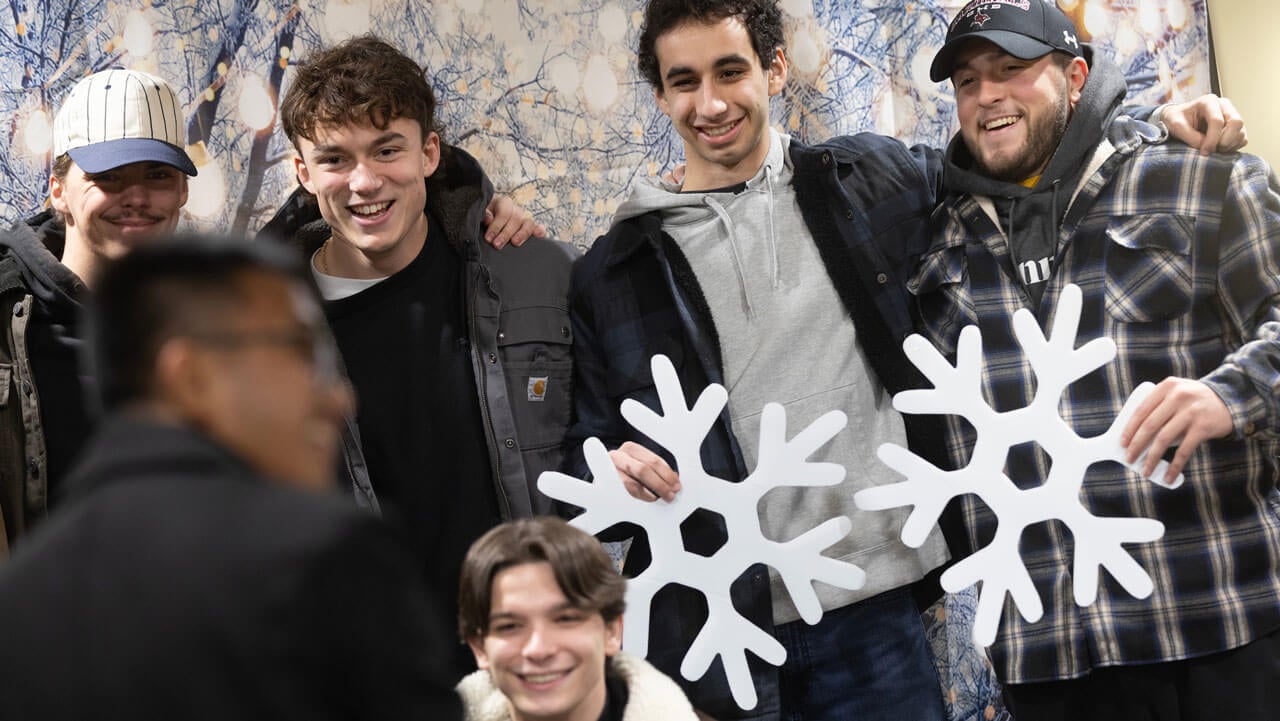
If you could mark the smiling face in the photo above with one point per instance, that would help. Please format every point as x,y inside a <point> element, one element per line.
<point>545,655</point>
<point>1013,112</point>
<point>716,93</point>
<point>369,183</point>
<point>107,214</point>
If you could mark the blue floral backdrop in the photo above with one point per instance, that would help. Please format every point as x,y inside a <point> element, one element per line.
<point>545,94</point>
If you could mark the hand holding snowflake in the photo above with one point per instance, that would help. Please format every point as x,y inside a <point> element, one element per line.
<point>799,561</point>
<point>958,390</point>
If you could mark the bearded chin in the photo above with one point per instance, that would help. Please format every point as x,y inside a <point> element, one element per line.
<point>1039,147</point>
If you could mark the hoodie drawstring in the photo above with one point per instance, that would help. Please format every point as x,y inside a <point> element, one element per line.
<point>775,271</point>
<point>771,243</point>
<point>723,215</point>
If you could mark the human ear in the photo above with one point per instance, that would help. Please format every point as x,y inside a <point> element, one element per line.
<point>304,176</point>
<point>777,72</point>
<point>476,644</point>
<point>430,154</point>
<point>613,636</point>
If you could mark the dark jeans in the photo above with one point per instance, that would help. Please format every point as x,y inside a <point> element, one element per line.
<point>865,662</point>
<point>1241,684</point>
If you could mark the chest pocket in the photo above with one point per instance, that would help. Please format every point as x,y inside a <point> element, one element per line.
<point>939,285</point>
<point>1148,267</point>
<point>536,345</point>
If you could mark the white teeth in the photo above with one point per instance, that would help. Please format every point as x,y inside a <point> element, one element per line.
<point>718,130</point>
<point>542,678</point>
<point>1001,122</point>
<point>371,208</point>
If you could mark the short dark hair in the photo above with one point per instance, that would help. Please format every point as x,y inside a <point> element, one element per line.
<point>159,291</point>
<point>362,80</point>
<point>585,573</point>
<point>761,18</point>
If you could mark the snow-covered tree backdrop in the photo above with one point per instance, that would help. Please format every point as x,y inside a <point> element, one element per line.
<point>543,92</point>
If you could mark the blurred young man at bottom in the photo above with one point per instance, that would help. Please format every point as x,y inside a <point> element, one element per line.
<point>541,606</point>
<point>206,568</point>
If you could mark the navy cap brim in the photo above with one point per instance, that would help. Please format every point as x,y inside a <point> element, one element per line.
<point>1016,44</point>
<point>101,157</point>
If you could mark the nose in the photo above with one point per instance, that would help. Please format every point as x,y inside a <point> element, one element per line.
<point>364,180</point>
<point>338,397</point>
<point>710,104</point>
<point>989,91</point>
<point>134,195</point>
<point>540,644</point>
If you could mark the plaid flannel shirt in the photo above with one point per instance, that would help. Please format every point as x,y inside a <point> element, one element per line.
<point>1178,258</point>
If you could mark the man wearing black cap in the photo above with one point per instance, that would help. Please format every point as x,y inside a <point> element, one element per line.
<point>1177,255</point>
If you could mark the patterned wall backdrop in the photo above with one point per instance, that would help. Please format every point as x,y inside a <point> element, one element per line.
<point>543,92</point>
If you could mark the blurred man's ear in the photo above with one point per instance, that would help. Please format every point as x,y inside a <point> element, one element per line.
<point>183,380</point>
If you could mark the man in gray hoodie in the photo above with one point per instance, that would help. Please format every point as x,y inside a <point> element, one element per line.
<point>769,254</point>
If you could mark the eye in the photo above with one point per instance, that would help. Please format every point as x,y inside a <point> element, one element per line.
<point>388,152</point>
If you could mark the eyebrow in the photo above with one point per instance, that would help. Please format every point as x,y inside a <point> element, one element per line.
<point>720,62</point>
<point>386,137</point>
<point>500,615</point>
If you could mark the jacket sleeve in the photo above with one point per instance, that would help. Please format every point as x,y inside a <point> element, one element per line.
<point>1248,380</point>
<point>593,414</point>
<point>384,645</point>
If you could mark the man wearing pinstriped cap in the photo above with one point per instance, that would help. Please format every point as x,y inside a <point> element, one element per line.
<point>119,180</point>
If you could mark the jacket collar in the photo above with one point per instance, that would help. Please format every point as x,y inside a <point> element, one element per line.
<point>129,447</point>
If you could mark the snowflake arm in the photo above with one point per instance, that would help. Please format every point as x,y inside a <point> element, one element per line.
<point>680,429</point>
<point>1099,542</point>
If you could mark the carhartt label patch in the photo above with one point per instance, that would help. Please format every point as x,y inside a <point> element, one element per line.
<point>537,388</point>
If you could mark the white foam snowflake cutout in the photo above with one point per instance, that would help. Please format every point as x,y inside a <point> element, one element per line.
<point>799,562</point>
<point>958,390</point>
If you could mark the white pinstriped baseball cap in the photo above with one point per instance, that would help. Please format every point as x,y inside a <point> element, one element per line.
<point>116,117</point>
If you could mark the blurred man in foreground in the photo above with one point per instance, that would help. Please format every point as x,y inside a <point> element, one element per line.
<point>204,568</point>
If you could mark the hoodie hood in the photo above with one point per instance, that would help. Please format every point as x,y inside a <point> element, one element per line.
<point>684,215</point>
<point>1031,217</point>
<point>36,244</point>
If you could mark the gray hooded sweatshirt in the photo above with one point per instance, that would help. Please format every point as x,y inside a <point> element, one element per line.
<point>785,337</point>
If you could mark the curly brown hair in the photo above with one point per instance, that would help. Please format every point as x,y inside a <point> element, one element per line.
<point>761,18</point>
<point>360,81</point>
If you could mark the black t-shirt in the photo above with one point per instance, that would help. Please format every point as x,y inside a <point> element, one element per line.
<point>406,347</point>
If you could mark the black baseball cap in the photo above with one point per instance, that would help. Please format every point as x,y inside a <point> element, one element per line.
<point>1025,29</point>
